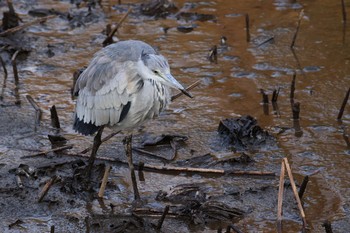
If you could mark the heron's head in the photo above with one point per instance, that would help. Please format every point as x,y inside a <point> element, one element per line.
<point>156,67</point>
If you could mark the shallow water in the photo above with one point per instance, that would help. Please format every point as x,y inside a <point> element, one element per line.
<point>229,88</point>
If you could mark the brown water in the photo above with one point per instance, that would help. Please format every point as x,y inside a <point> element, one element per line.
<point>231,87</point>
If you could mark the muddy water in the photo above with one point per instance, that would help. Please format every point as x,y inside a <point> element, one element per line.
<point>229,88</point>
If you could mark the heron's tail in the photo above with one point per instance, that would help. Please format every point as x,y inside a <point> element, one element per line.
<point>84,128</point>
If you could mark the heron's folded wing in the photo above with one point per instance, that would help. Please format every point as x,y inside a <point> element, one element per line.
<point>105,89</point>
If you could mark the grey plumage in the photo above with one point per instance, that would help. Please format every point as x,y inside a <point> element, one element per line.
<point>124,85</point>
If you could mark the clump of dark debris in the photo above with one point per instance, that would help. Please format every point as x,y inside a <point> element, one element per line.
<point>244,133</point>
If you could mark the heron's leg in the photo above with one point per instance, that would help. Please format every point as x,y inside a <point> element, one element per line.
<point>97,143</point>
<point>128,150</point>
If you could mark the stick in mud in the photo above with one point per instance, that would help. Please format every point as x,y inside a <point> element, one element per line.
<point>275,94</point>
<point>109,39</point>
<point>161,220</point>
<point>37,109</point>
<point>296,110</point>
<point>48,151</point>
<point>234,228</point>
<point>15,73</point>
<point>141,175</point>
<point>185,169</point>
<point>301,14</point>
<point>280,198</point>
<point>247,27</point>
<point>213,54</point>
<point>55,121</point>
<point>5,78</point>
<point>104,181</point>
<point>190,87</point>
<point>289,172</point>
<point>52,229</point>
<point>265,100</point>
<point>341,111</point>
<point>21,27</point>
<point>128,150</point>
<point>327,226</point>
<point>346,139</point>
<point>303,187</point>
<point>292,88</point>
<point>47,187</point>
<point>343,11</point>
<point>3,67</point>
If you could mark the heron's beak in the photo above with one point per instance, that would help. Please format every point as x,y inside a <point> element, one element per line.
<point>174,83</point>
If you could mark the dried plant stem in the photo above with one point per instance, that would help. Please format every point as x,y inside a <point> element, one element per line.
<point>21,27</point>
<point>190,87</point>
<point>46,188</point>
<point>37,109</point>
<point>104,181</point>
<point>342,108</point>
<point>280,198</point>
<point>301,14</point>
<point>48,151</point>
<point>301,210</point>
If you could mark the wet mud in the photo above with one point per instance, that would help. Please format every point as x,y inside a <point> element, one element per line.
<point>271,82</point>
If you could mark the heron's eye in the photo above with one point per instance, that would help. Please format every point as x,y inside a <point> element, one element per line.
<point>155,72</point>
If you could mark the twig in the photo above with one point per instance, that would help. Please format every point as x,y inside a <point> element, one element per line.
<point>341,111</point>
<point>3,66</point>
<point>343,11</point>
<point>280,199</point>
<point>104,181</point>
<point>265,97</point>
<point>141,175</point>
<point>102,141</point>
<point>21,27</point>
<point>153,155</point>
<point>5,78</point>
<point>296,110</point>
<point>37,109</point>
<point>275,94</point>
<point>15,74</point>
<point>303,187</point>
<point>327,226</point>
<point>292,88</point>
<point>55,121</point>
<point>184,169</point>
<point>161,220</point>
<point>346,139</point>
<point>247,27</point>
<point>289,171</point>
<point>190,87</point>
<point>266,41</point>
<point>234,228</point>
<point>109,39</point>
<point>52,229</point>
<point>128,150</point>
<point>213,54</point>
<point>46,188</point>
<point>48,151</point>
<point>301,14</point>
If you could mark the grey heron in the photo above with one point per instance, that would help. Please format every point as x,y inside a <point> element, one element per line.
<point>124,85</point>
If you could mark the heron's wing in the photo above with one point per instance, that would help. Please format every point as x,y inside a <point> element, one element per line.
<point>105,90</point>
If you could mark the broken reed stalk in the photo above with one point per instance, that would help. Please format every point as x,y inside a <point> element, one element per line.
<point>301,14</point>
<point>87,224</point>
<point>275,94</point>
<point>341,111</point>
<point>37,109</point>
<point>153,155</point>
<point>128,150</point>
<point>161,220</point>
<point>301,210</point>
<point>280,198</point>
<point>104,181</point>
<point>327,226</point>
<point>109,39</point>
<point>47,187</point>
<point>102,141</point>
<point>15,74</point>
<point>247,27</point>
<point>303,187</point>
<point>3,67</point>
<point>190,87</point>
<point>48,151</point>
<point>55,121</point>
<point>21,27</point>
<point>52,229</point>
<point>234,228</point>
<point>346,139</point>
<point>343,11</point>
<point>292,88</point>
<point>296,110</point>
<point>185,169</point>
<point>141,175</point>
<point>265,97</point>
<point>213,54</point>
